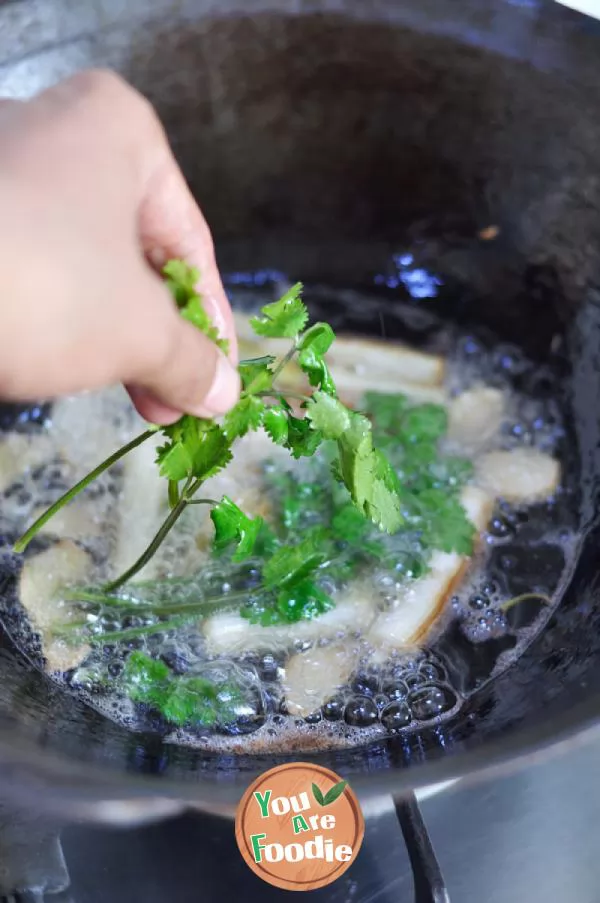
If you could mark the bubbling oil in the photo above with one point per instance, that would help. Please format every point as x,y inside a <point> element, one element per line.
<point>522,551</point>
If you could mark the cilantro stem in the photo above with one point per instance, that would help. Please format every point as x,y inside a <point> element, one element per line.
<point>84,595</point>
<point>157,583</point>
<point>191,488</point>
<point>185,499</point>
<point>173,493</point>
<point>525,597</point>
<point>140,605</point>
<point>284,361</point>
<point>186,611</point>
<point>283,395</point>
<point>204,606</point>
<point>117,636</point>
<point>145,557</point>
<point>24,541</point>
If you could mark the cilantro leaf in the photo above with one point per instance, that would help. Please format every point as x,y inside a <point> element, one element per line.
<point>262,610</point>
<point>266,541</point>
<point>197,700</point>
<point>190,699</point>
<point>232,525</point>
<point>181,280</point>
<point>415,461</point>
<point>328,415</point>
<point>174,461</point>
<point>256,374</point>
<point>195,449</point>
<point>212,452</point>
<point>283,319</point>
<point>194,313</point>
<point>246,415</point>
<point>445,523</point>
<point>317,371</point>
<point>299,503</point>
<point>198,448</point>
<point>291,564</point>
<point>351,528</point>
<point>383,506</point>
<point>385,410</point>
<point>368,476</point>
<point>142,673</point>
<point>349,524</point>
<point>314,344</point>
<point>429,481</point>
<point>275,423</point>
<point>302,602</point>
<point>355,446</point>
<point>452,472</point>
<point>424,423</point>
<point>302,440</point>
<point>181,700</point>
<point>318,338</point>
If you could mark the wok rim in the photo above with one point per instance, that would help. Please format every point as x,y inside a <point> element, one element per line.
<point>27,764</point>
<point>33,764</point>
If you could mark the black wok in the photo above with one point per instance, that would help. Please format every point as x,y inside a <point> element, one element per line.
<point>321,137</point>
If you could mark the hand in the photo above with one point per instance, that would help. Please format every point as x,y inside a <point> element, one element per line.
<point>92,203</point>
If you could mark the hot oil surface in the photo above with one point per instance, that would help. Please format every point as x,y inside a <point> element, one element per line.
<point>523,551</point>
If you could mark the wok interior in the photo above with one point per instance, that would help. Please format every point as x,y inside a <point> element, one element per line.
<point>321,144</point>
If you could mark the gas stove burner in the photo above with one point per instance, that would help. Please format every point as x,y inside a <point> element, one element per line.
<point>43,865</point>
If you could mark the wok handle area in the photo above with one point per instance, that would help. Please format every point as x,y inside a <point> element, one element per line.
<point>427,875</point>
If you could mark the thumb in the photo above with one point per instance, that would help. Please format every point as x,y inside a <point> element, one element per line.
<point>184,373</point>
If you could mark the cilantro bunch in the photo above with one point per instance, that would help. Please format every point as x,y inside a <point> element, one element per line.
<point>428,489</point>
<point>429,482</point>
<point>180,699</point>
<point>196,449</point>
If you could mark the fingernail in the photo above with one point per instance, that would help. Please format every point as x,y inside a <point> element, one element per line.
<point>223,393</point>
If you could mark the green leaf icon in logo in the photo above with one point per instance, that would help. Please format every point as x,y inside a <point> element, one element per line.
<point>318,795</point>
<point>332,794</point>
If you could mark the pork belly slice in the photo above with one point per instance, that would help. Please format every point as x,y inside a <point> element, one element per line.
<point>229,633</point>
<point>314,676</point>
<point>43,578</point>
<point>522,475</point>
<point>422,600</point>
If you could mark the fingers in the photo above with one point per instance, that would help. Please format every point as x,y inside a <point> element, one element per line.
<point>194,378</point>
<point>176,369</point>
<point>150,408</point>
<point>171,225</point>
